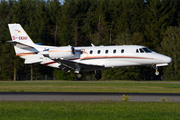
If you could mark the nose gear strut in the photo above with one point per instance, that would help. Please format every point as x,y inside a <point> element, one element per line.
<point>156,68</point>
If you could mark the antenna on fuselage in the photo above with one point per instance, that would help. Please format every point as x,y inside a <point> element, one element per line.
<point>92,45</point>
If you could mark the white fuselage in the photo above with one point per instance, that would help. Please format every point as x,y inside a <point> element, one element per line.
<point>107,56</point>
<point>120,56</point>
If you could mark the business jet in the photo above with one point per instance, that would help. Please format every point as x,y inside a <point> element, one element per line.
<point>80,59</point>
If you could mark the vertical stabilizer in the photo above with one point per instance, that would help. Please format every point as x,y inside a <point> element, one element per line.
<point>19,35</point>
<point>20,40</point>
<point>26,49</point>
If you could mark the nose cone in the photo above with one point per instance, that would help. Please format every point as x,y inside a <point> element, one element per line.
<point>162,60</point>
<point>167,59</point>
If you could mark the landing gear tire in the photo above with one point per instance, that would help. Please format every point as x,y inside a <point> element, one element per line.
<point>98,75</point>
<point>156,73</point>
<point>79,76</point>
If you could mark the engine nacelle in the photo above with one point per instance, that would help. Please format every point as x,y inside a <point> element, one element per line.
<point>60,52</point>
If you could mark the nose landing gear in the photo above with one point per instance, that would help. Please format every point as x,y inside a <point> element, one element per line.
<point>156,68</point>
<point>157,72</point>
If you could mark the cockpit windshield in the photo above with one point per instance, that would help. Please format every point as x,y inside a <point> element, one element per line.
<point>147,50</point>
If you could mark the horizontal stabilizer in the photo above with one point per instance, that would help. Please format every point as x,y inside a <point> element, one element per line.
<point>22,45</point>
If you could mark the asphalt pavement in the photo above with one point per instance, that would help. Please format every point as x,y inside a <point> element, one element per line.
<point>88,96</point>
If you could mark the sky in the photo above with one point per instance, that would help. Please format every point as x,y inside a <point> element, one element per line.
<point>61,1</point>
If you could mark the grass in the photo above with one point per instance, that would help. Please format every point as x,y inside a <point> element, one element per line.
<point>129,87</point>
<point>104,110</point>
<point>89,110</point>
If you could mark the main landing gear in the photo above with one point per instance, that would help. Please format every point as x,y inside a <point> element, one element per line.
<point>79,76</point>
<point>98,75</point>
<point>156,68</point>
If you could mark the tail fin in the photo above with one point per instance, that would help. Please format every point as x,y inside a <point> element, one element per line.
<point>26,49</point>
<point>20,40</point>
<point>19,35</point>
<point>23,45</point>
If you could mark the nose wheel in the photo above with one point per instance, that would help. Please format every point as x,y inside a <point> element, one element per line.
<point>157,72</point>
<point>156,68</point>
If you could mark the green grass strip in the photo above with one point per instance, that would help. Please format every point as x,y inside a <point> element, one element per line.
<point>89,110</point>
<point>129,87</point>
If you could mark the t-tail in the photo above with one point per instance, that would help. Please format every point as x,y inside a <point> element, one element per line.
<point>23,45</point>
<point>19,35</point>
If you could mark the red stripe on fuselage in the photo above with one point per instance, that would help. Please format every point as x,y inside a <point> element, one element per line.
<point>104,57</point>
<point>49,63</point>
<point>101,57</point>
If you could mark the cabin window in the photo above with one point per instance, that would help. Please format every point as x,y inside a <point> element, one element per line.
<point>141,50</point>
<point>91,52</point>
<point>114,51</point>
<point>137,51</point>
<point>106,51</point>
<point>122,51</point>
<point>99,52</point>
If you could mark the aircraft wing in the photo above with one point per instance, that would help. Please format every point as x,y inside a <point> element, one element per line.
<point>66,65</point>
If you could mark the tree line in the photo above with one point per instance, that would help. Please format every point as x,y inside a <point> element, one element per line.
<point>151,23</point>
